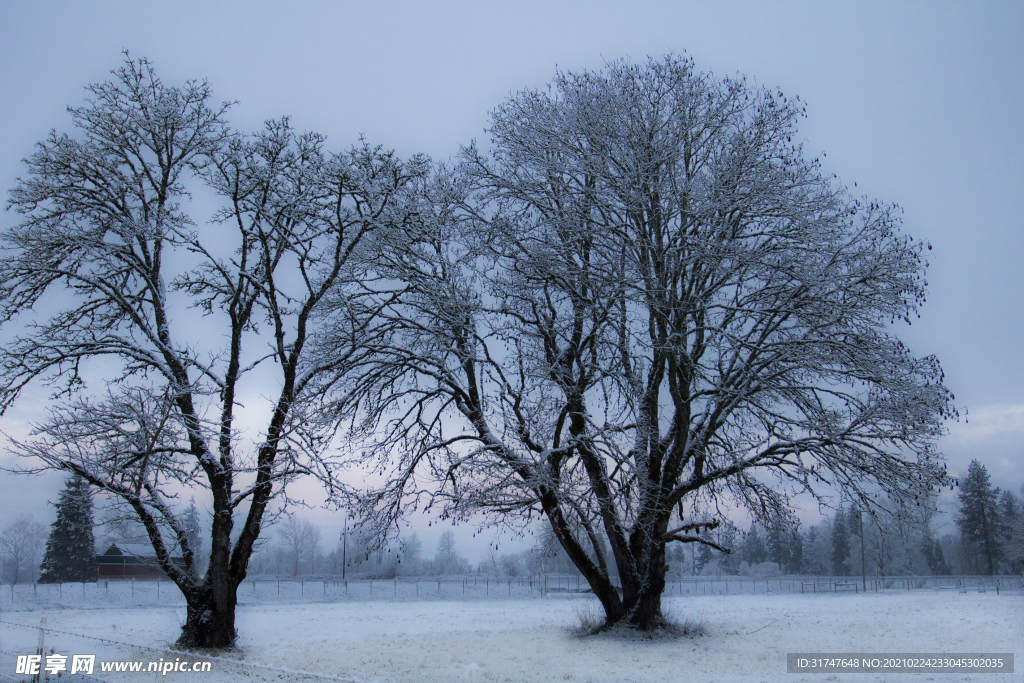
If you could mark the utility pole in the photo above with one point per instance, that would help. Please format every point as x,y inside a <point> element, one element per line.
<point>863,561</point>
<point>344,548</point>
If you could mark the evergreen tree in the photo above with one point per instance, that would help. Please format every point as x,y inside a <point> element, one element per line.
<point>979,517</point>
<point>729,562</point>
<point>941,566</point>
<point>71,549</point>
<point>932,551</point>
<point>809,541</point>
<point>858,552</point>
<point>928,549</point>
<point>1011,528</point>
<point>193,530</point>
<point>704,557</point>
<point>754,549</point>
<point>796,553</point>
<point>840,543</point>
<point>780,545</point>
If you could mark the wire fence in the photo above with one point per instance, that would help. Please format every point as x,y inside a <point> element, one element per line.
<point>155,592</point>
<point>740,585</point>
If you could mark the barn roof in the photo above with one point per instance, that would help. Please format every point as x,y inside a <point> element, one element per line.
<point>143,551</point>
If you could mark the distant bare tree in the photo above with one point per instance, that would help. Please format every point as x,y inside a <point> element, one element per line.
<point>120,524</point>
<point>314,548</point>
<point>302,541</point>
<point>491,564</point>
<point>497,564</point>
<point>447,559</point>
<point>511,565</point>
<point>22,541</point>
<point>409,549</point>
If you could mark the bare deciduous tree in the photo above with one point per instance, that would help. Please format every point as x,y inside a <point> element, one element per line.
<point>409,549</point>
<point>644,304</point>
<point>22,540</point>
<point>447,559</point>
<point>182,316</point>
<point>302,541</point>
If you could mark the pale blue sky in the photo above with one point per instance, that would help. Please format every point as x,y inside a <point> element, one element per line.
<point>919,103</point>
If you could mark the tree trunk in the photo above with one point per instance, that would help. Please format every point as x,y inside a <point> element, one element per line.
<point>645,614</point>
<point>643,603</point>
<point>210,621</point>
<point>640,605</point>
<point>610,601</point>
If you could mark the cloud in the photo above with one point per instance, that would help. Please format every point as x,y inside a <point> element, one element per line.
<point>994,435</point>
<point>989,421</point>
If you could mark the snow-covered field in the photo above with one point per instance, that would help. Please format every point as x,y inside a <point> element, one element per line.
<point>746,638</point>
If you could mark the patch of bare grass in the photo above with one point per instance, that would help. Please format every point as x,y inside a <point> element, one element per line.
<point>591,622</point>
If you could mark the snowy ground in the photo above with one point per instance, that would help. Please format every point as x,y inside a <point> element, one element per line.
<point>746,638</point>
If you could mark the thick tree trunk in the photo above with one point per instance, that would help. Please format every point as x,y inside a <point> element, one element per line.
<point>210,621</point>
<point>639,606</point>
<point>642,598</point>
<point>645,613</point>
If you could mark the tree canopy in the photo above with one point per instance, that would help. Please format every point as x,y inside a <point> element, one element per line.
<point>179,320</point>
<point>643,305</point>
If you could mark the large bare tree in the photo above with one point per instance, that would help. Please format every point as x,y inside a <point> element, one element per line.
<point>182,322</point>
<point>645,307</point>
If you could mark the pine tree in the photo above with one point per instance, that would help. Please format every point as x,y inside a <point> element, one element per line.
<point>796,553</point>
<point>70,550</point>
<point>194,532</point>
<point>979,517</point>
<point>729,562</point>
<point>1011,528</point>
<point>810,564</point>
<point>840,544</point>
<point>941,566</point>
<point>704,557</point>
<point>932,551</point>
<point>754,549</point>
<point>780,545</point>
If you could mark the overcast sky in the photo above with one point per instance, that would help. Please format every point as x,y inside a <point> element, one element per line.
<point>918,103</point>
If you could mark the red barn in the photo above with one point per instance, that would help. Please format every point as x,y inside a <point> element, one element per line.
<point>132,560</point>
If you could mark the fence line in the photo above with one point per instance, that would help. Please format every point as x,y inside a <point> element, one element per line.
<point>152,592</point>
<point>738,585</point>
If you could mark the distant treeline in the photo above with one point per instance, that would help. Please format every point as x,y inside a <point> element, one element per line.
<point>988,539</point>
